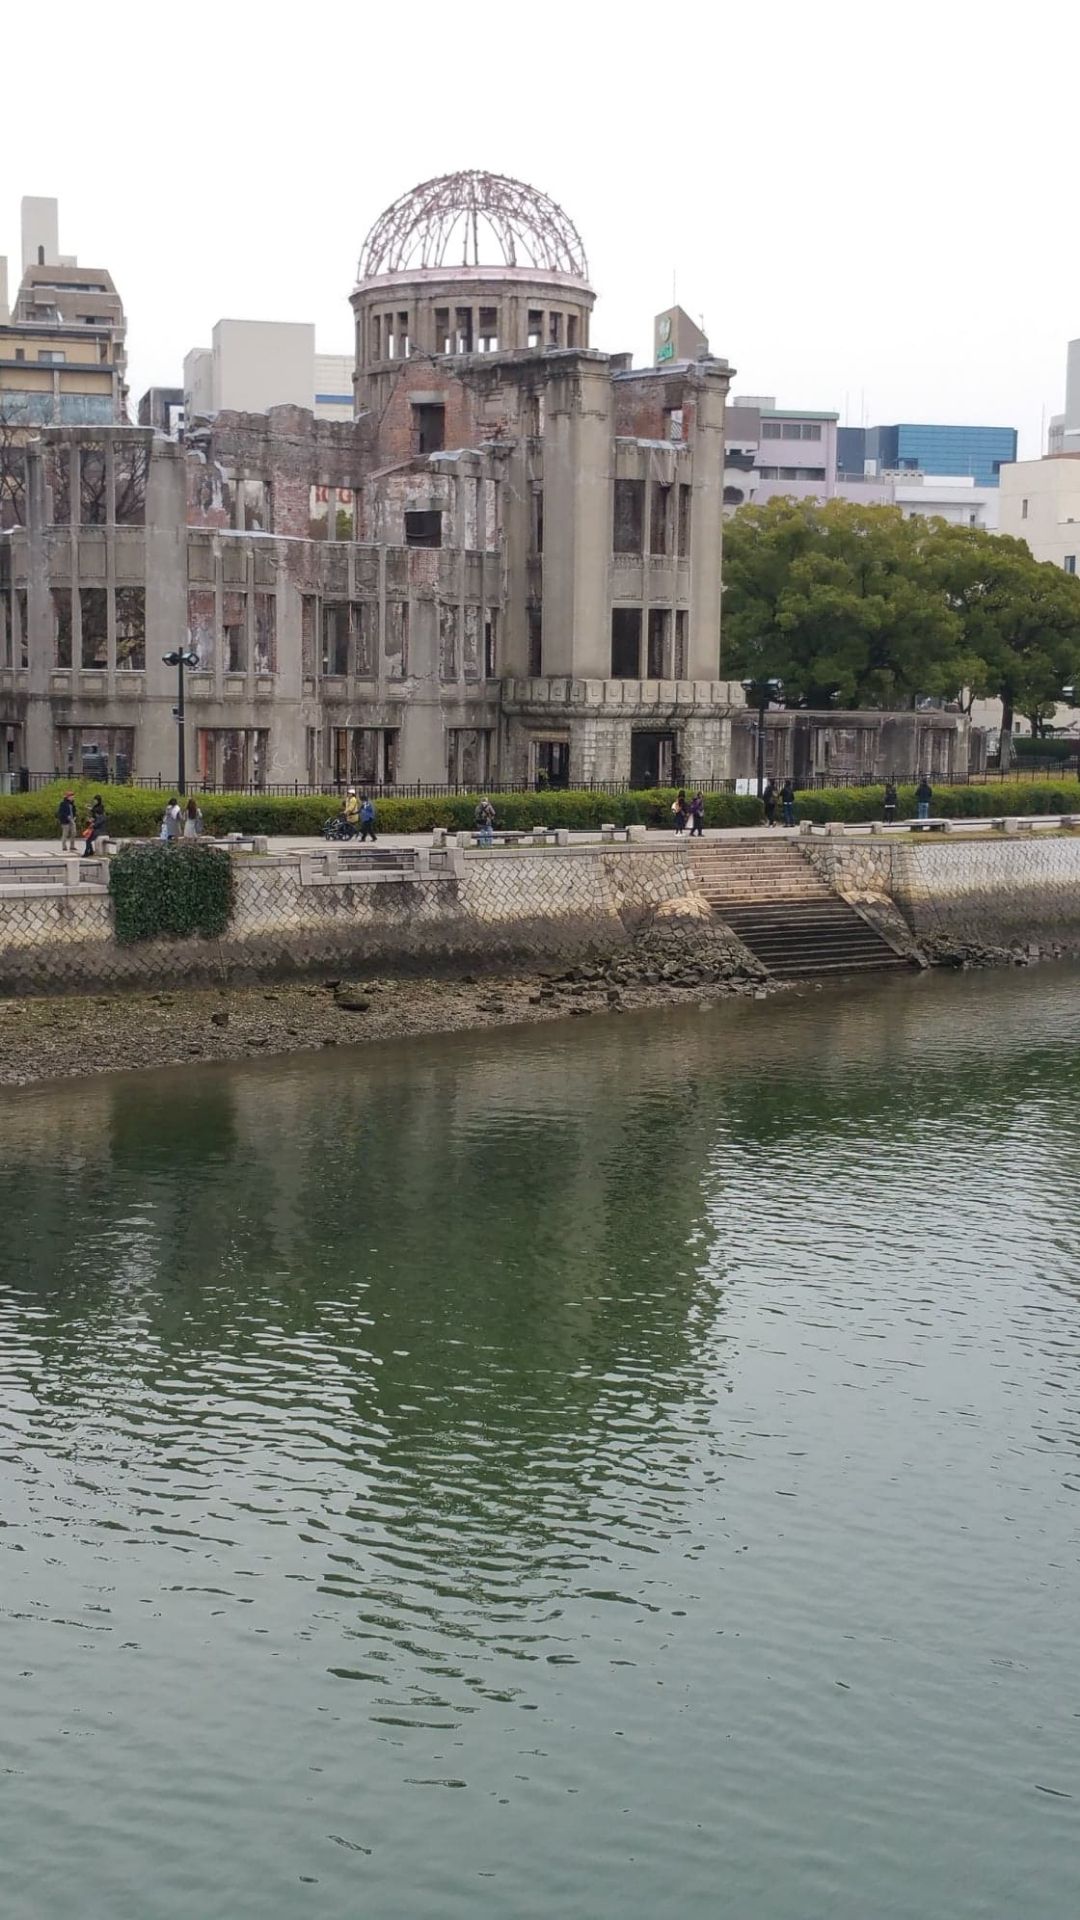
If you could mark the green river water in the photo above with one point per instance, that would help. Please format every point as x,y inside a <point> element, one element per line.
<point>621,1470</point>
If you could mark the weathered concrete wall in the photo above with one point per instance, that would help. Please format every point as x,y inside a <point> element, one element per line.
<point>503,907</point>
<point>1000,892</point>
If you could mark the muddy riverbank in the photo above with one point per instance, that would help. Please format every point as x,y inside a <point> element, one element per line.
<point>62,1038</point>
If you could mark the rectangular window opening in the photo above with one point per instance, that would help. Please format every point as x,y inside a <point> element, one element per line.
<point>62,630</point>
<point>684,522</point>
<point>626,643</point>
<point>555,329</point>
<point>628,533</point>
<point>443,342</point>
<point>490,634</point>
<point>423,529</point>
<point>535,331</point>
<point>571,330</point>
<point>660,519</point>
<point>403,336</point>
<point>131,629</point>
<point>463,329</point>
<point>94,612</point>
<point>429,426</point>
<point>656,664</point>
<point>488,339</point>
<point>335,624</point>
<point>536,642</point>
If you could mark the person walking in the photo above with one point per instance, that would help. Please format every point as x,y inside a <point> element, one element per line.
<point>95,827</point>
<point>68,819</point>
<point>890,802</point>
<point>350,812</point>
<point>485,822</point>
<point>170,820</point>
<point>697,815</point>
<point>787,801</point>
<point>768,801</point>
<point>367,818</point>
<point>924,793</point>
<point>680,810</point>
<point>193,821</point>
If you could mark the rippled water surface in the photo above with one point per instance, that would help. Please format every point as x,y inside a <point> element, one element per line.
<point>629,1469</point>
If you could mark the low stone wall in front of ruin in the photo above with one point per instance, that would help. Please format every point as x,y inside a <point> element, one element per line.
<point>310,913</point>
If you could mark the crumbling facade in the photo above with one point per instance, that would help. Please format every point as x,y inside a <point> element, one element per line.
<point>506,567</point>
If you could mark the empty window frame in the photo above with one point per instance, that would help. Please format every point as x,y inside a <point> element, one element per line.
<point>335,637</point>
<point>429,427</point>
<point>660,519</point>
<point>396,639</point>
<point>628,530</point>
<point>535,620</point>
<point>534,334</point>
<point>463,330</point>
<point>62,643</point>
<point>488,330</point>
<point>131,629</point>
<point>423,528</point>
<point>94,614</point>
<point>683,545</point>
<point>656,665</point>
<point>626,643</point>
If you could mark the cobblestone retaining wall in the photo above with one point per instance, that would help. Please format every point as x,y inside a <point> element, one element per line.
<point>502,908</point>
<point>999,892</point>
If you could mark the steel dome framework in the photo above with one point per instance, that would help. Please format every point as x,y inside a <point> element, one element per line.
<point>473,220</point>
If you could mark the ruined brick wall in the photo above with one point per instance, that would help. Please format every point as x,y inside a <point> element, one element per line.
<point>506,908</point>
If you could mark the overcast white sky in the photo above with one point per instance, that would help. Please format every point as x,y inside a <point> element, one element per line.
<point>873,206</point>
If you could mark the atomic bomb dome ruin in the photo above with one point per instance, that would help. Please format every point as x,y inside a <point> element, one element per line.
<point>504,568</point>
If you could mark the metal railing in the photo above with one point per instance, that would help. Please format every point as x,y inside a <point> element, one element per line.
<point>1028,770</point>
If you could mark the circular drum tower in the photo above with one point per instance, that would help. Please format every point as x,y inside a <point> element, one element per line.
<point>468,263</point>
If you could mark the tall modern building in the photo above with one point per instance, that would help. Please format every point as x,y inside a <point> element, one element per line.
<point>977,453</point>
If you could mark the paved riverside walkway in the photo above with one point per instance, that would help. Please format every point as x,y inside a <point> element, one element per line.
<point>300,843</point>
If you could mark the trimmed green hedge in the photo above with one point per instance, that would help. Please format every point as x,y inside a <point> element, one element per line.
<point>135,812</point>
<point>1026,747</point>
<point>172,891</point>
<point>964,803</point>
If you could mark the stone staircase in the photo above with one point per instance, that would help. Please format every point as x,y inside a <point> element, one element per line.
<point>771,896</point>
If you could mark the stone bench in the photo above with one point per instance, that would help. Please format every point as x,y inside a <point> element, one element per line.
<point>929,826</point>
<point>609,831</point>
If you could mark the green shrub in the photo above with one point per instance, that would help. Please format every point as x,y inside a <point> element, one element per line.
<point>170,890</point>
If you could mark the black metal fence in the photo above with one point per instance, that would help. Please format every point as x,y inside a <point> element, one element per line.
<point>1022,770</point>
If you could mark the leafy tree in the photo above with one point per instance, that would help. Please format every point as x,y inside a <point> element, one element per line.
<point>1020,617</point>
<point>837,599</point>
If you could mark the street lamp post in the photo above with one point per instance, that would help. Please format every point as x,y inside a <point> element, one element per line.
<point>180,659</point>
<point>759,693</point>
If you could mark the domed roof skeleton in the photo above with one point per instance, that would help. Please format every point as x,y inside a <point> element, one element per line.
<point>525,227</point>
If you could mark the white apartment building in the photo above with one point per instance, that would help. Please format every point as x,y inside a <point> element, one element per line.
<point>253,365</point>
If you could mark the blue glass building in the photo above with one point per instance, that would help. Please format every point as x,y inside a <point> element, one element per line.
<point>912,447</point>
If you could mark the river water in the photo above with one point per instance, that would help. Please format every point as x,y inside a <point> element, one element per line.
<point>623,1469</point>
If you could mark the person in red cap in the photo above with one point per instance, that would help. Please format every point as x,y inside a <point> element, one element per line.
<point>65,813</point>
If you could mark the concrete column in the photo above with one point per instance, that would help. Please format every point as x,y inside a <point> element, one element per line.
<point>706,524</point>
<point>40,756</point>
<point>578,442</point>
